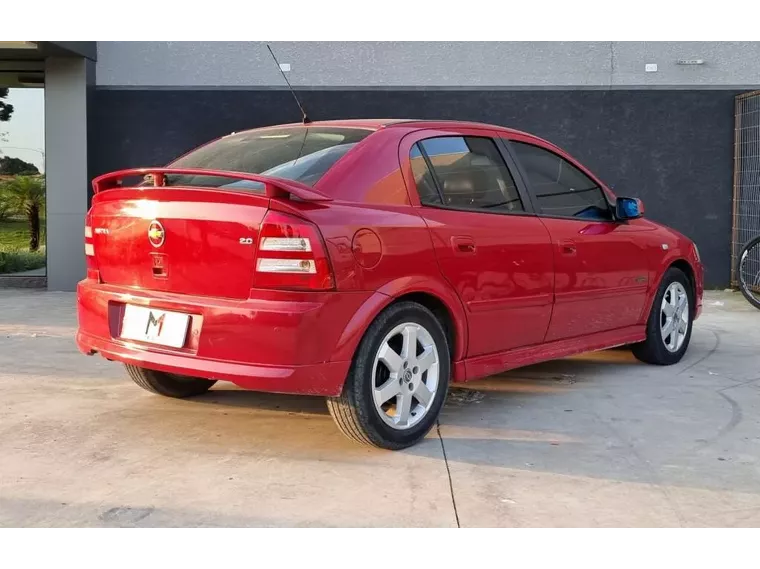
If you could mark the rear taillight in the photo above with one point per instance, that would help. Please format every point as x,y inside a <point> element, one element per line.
<point>89,250</point>
<point>291,254</point>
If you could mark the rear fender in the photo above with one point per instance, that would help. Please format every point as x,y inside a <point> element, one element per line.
<point>389,293</point>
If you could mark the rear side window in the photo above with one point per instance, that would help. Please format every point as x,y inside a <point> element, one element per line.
<point>467,173</point>
<point>560,188</point>
<point>303,154</point>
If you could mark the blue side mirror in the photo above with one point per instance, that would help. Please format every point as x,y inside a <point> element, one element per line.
<point>628,208</point>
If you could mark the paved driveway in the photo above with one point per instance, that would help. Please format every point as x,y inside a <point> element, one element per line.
<point>596,440</point>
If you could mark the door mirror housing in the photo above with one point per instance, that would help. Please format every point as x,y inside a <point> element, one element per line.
<point>628,208</point>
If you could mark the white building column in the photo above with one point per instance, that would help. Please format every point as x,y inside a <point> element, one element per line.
<point>66,86</point>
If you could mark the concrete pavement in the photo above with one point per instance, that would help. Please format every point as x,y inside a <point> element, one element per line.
<point>595,440</point>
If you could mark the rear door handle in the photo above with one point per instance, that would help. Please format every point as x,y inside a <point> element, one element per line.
<point>463,245</point>
<point>567,247</point>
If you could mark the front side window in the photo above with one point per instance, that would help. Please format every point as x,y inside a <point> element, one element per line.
<point>467,173</point>
<point>559,187</point>
<point>303,154</point>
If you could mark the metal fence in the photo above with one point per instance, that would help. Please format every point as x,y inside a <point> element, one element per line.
<point>746,216</point>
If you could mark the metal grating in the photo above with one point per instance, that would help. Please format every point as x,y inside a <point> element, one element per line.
<point>746,215</point>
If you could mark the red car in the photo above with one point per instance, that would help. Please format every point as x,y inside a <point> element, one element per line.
<point>374,262</point>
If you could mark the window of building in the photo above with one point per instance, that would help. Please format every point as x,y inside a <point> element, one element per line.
<point>468,173</point>
<point>559,187</point>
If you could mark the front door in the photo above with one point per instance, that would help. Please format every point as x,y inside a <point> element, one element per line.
<point>491,248</point>
<point>601,273</point>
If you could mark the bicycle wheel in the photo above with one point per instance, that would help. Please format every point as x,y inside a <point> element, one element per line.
<point>749,272</point>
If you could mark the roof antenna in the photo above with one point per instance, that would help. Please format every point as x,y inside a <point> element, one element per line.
<point>306,119</point>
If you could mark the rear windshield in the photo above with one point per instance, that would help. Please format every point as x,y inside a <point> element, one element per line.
<point>302,154</point>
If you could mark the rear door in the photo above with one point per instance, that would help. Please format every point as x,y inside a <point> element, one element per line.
<point>490,246</point>
<point>601,273</point>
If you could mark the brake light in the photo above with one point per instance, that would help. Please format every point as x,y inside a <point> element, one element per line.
<point>291,254</point>
<point>89,250</point>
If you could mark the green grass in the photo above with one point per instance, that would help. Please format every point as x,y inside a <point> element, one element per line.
<point>14,232</point>
<point>15,256</point>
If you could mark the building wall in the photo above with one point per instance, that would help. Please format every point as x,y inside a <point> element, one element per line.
<point>426,64</point>
<point>666,137</point>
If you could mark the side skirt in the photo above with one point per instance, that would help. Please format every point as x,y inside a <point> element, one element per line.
<point>483,366</point>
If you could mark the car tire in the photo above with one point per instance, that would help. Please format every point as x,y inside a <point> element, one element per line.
<point>661,347</point>
<point>414,382</point>
<point>168,384</point>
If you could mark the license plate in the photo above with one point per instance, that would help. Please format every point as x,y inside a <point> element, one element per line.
<point>154,326</point>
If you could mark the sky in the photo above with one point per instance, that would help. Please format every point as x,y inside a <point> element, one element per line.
<point>26,129</point>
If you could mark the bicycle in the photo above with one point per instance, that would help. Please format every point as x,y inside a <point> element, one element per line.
<point>748,271</point>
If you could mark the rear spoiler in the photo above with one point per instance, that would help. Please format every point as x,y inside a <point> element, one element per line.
<point>273,186</point>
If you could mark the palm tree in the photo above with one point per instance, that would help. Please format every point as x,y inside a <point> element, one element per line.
<point>26,194</point>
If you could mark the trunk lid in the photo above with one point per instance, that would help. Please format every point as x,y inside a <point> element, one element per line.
<point>189,241</point>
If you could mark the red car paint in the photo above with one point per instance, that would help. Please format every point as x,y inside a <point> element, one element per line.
<point>514,289</point>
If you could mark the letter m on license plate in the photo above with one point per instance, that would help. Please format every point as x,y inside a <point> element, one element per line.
<point>154,326</point>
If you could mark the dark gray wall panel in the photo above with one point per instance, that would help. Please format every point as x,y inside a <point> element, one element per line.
<point>673,149</point>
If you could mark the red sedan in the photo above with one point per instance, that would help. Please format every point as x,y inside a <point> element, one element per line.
<point>374,262</point>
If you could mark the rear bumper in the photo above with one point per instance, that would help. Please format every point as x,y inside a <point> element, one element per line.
<point>279,342</point>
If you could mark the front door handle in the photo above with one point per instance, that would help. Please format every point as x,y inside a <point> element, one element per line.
<point>567,248</point>
<point>463,245</point>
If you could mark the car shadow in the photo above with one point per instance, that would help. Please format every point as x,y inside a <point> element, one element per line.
<point>232,396</point>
